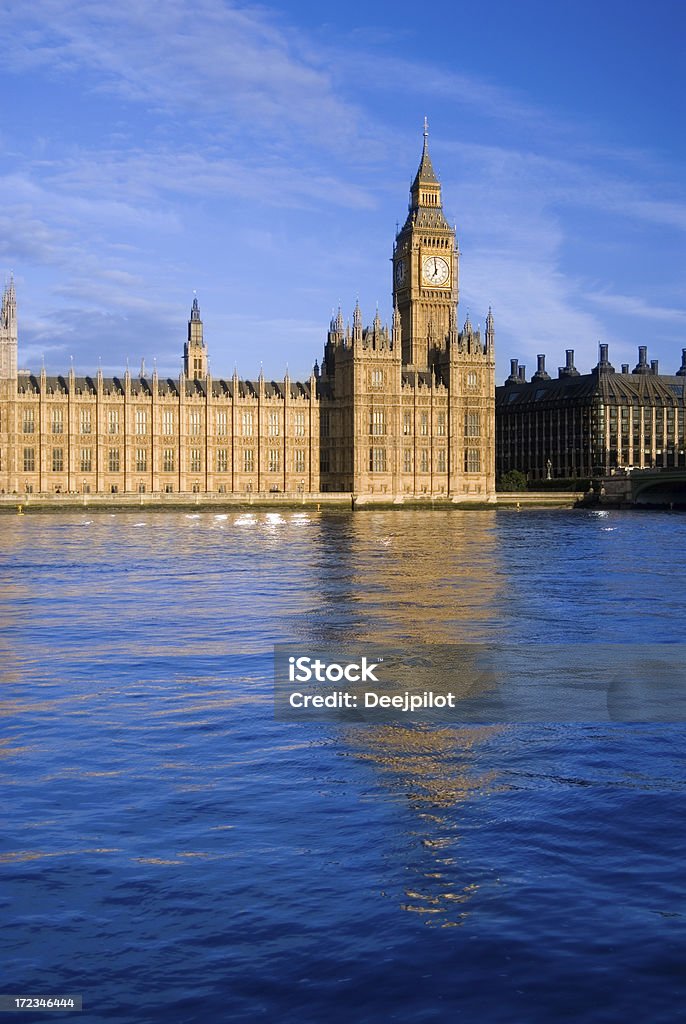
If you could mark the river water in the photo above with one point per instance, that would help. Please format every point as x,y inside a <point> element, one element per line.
<point>171,852</point>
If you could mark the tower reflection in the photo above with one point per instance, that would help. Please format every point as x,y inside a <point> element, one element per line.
<point>407,580</point>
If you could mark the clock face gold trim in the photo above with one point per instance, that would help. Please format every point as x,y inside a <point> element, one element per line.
<point>435,270</point>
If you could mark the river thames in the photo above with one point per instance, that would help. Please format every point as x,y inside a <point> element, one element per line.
<point>173,853</point>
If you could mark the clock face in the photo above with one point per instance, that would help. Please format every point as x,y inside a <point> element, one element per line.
<point>400,271</point>
<point>435,270</point>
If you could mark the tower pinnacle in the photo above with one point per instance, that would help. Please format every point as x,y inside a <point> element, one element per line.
<point>425,176</point>
<point>8,333</point>
<point>194,351</point>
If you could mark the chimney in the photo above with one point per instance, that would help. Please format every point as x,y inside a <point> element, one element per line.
<point>625,367</point>
<point>522,374</point>
<point>514,376</point>
<point>540,371</point>
<point>642,365</point>
<point>654,367</point>
<point>569,369</point>
<point>681,372</point>
<point>604,365</point>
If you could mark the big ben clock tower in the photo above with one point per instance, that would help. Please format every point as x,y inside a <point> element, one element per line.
<point>425,270</point>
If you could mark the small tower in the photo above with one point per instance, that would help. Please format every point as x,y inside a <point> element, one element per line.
<point>490,333</point>
<point>8,333</point>
<point>357,323</point>
<point>194,351</point>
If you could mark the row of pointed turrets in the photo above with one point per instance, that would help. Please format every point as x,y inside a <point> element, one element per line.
<point>379,336</point>
<point>518,373</point>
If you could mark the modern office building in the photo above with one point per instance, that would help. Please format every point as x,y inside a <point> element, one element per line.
<point>585,425</point>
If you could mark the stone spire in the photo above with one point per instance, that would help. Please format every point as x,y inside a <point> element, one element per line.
<point>194,351</point>
<point>8,333</point>
<point>376,326</point>
<point>397,327</point>
<point>425,174</point>
<point>357,323</point>
<point>426,188</point>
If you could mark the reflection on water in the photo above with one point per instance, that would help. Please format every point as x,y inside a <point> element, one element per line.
<point>168,836</point>
<point>409,578</point>
<point>433,771</point>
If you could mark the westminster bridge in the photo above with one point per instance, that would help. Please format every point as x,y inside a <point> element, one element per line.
<point>655,488</point>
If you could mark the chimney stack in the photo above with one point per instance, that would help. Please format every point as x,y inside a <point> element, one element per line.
<point>541,372</point>
<point>642,365</point>
<point>514,374</point>
<point>604,365</point>
<point>569,369</point>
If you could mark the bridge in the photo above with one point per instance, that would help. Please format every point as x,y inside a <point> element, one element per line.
<point>651,488</point>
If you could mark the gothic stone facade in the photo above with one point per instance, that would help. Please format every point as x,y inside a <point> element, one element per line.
<point>405,411</point>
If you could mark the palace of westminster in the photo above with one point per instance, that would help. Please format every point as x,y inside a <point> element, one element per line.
<point>406,412</point>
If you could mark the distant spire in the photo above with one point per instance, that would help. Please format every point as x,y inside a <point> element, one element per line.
<point>490,332</point>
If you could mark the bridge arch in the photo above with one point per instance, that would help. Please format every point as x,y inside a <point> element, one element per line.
<point>662,493</point>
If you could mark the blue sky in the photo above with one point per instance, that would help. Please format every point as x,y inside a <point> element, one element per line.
<point>262,155</point>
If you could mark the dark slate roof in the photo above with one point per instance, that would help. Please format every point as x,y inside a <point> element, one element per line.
<point>610,388</point>
<point>30,383</point>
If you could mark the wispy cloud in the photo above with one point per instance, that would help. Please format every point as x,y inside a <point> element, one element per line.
<point>137,177</point>
<point>202,58</point>
<point>633,306</point>
<point>227,129</point>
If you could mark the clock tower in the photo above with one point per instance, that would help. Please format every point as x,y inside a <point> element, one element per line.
<point>425,271</point>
